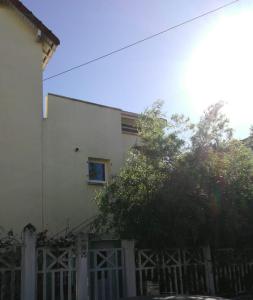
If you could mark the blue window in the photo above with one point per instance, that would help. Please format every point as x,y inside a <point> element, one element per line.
<point>96,171</point>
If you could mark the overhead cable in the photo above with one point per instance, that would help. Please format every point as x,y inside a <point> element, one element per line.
<point>140,41</point>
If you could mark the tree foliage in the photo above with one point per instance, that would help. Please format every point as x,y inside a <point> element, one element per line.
<point>182,184</point>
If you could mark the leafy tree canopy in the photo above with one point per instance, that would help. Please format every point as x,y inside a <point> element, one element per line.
<point>182,184</point>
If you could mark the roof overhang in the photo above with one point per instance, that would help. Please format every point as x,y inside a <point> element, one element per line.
<point>44,35</point>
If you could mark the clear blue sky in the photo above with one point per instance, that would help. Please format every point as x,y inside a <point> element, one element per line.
<point>162,68</point>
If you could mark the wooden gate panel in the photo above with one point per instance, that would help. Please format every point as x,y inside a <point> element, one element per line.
<point>106,274</point>
<point>56,275</point>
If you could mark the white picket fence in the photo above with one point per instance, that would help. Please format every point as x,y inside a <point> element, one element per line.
<point>56,273</point>
<point>31,271</point>
<point>176,271</point>
<point>233,270</point>
<point>10,272</point>
<point>106,274</point>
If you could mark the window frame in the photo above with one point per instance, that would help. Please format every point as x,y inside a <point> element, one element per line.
<point>98,161</point>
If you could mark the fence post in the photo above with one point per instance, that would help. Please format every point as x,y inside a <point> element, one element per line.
<point>209,271</point>
<point>82,269</point>
<point>28,265</point>
<point>130,276</point>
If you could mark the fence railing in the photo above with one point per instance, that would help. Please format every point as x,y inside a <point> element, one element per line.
<point>10,272</point>
<point>32,271</point>
<point>233,270</point>
<point>47,271</point>
<point>56,273</point>
<point>195,278</point>
<point>106,274</point>
<point>175,271</point>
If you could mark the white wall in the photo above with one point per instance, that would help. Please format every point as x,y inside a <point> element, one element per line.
<point>96,131</point>
<point>66,196</point>
<point>20,123</point>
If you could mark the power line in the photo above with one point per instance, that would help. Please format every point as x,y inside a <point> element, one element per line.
<point>142,40</point>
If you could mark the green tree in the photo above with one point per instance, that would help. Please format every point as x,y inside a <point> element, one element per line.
<point>179,189</point>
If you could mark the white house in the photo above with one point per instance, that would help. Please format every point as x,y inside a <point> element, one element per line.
<point>49,167</point>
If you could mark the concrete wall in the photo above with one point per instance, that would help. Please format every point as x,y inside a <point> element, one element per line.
<point>96,131</point>
<point>20,123</point>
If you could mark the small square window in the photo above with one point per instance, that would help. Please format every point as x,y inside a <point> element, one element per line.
<point>97,171</point>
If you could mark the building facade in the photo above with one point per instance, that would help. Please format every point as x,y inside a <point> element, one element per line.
<point>50,167</point>
<point>84,146</point>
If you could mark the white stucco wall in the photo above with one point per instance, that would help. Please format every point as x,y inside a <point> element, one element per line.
<point>20,123</point>
<point>96,131</point>
<point>41,175</point>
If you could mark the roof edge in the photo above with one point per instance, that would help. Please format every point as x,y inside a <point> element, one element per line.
<point>125,113</point>
<point>34,20</point>
<point>84,101</point>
